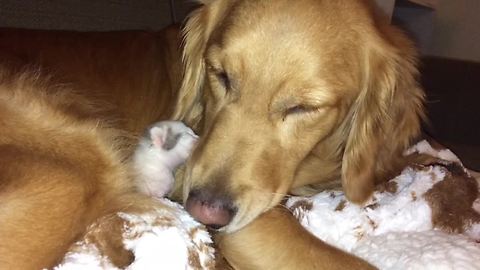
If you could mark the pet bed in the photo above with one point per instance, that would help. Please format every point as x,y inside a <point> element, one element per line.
<point>425,218</point>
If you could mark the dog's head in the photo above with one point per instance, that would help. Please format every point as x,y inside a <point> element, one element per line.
<point>268,83</point>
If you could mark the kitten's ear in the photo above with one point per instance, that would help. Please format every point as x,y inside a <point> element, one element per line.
<point>158,135</point>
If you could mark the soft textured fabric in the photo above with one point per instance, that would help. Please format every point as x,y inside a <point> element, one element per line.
<point>164,239</point>
<point>394,230</point>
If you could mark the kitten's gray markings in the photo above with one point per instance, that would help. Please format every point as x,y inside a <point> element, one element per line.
<point>171,140</point>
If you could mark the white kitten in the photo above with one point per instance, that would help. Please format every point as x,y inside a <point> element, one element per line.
<point>164,147</point>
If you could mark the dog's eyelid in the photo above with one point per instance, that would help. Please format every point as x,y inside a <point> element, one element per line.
<point>296,109</point>
<point>221,75</point>
<point>224,79</point>
<point>301,108</point>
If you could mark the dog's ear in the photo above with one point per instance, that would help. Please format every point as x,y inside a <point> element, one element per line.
<point>196,32</point>
<point>189,107</point>
<point>385,116</point>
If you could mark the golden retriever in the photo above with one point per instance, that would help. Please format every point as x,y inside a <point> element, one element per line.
<point>71,106</point>
<point>290,96</point>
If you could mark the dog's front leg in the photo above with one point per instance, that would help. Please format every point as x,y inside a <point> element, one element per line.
<point>276,240</point>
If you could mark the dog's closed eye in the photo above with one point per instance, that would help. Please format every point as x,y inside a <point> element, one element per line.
<point>221,76</point>
<point>299,109</point>
<point>224,79</point>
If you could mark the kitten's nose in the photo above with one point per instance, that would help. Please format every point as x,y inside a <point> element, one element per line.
<point>213,210</point>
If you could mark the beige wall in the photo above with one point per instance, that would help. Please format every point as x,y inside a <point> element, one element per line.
<point>452,30</point>
<point>386,5</point>
<point>456,30</point>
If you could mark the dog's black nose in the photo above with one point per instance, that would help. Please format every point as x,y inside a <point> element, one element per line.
<point>213,210</point>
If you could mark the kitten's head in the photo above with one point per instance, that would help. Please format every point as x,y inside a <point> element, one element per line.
<point>172,137</point>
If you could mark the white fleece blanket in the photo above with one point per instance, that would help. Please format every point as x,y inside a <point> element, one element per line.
<point>164,239</point>
<point>394,232</point>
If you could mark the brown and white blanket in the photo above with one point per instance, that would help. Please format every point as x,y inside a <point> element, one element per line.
<point>425,218</point>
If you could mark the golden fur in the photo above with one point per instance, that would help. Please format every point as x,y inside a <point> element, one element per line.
<point>290,96</point>
<point>66,136</point>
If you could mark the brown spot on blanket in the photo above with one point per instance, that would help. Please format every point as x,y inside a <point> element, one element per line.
<point>300,207</point>
<point>163,221</point>
<point>372,206</point>
<point>372,223</point>
<point>451,200</point>
<point>107,235</point>
<point>341,205</point>
<point>414,195</point>
<point>193,259</point>
<point>193,252</point>
<point>390,187</point>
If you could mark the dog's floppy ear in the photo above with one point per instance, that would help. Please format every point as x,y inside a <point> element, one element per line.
<point>196,32</point>
<point>386,114</point>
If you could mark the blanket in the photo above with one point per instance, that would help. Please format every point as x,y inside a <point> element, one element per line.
<point>167,238</point>
<point>425,218</point>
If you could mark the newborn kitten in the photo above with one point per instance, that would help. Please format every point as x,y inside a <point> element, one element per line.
<point>164,147</point>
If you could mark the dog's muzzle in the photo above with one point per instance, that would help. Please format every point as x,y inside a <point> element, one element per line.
<point>211,209</point>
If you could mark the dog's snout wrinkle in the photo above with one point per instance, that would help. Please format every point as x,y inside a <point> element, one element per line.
<point>212,209</point>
